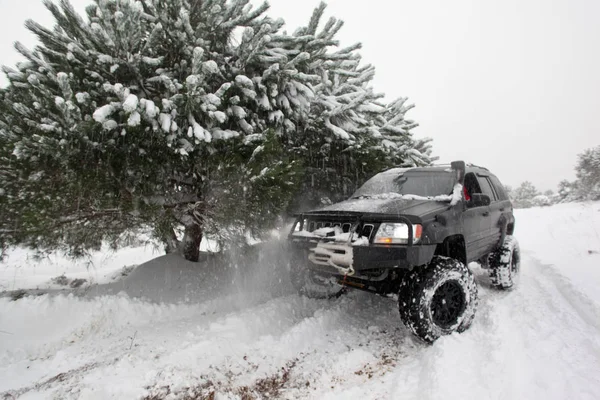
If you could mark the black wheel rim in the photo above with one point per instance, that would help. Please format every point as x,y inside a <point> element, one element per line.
<point>448,304</point>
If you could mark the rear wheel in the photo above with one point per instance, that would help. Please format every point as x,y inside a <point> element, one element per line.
<point>438,299</point>
<point>311,283</point>
<point>505,264</point>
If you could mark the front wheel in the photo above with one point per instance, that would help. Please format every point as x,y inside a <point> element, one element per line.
<point>311,283</point>
<point>505,264</point>
<point>438,299</point>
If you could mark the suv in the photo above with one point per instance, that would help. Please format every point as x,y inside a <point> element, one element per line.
<point>411,232</point>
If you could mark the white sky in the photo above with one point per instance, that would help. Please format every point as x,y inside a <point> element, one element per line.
<point>513,85</point>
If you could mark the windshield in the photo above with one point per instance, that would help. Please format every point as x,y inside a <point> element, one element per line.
<point>426,184</point>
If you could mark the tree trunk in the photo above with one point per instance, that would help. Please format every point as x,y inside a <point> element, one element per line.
<point>171,242</point>
<point>191,242</point>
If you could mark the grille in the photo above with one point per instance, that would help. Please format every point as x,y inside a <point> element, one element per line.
<point>362,229</point>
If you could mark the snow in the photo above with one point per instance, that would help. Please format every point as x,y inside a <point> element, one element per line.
<point>110,124</point>
<point>394,195</point>
<point>47,128</point>
<point>105,59</point>
<point>22,270</point>
<point>220,116</point>
<point>134,119</point>
<point>33,79</point>
<point>130,104</point>
<point>150,108</point>
<point>339,132</point>
<point>263,102</point>
<point>244,81</point>
<point>198,131</point>
<point>165,122</point>
<point>153,62</point>
<point>102,113</point>
<point>229,326</point>
<point>226,134</point>
<point>82,97</point>
<point>213,99</point>
<point>192,80</point>
<point>237,111</point>
<point>210,67</point>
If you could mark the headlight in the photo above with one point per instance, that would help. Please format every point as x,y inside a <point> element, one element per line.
<point>301,225</point>
<point>390,233</point>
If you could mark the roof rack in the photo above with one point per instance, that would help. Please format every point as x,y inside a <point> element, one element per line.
<point>438,165</point>
<point>467,164</point>
<point>477,166</point>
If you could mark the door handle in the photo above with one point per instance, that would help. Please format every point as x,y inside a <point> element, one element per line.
<point>485,213</point>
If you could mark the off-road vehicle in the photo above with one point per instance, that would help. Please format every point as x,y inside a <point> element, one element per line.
<point>412,232</point>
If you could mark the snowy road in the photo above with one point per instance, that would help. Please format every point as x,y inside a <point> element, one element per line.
<point>540,341</point>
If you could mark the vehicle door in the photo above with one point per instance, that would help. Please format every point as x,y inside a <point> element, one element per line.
<point>476,222</point>
<point>504,206</point>
<point>493,236</point>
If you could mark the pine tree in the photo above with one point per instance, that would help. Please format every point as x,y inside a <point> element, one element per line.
<point>565,191</point>
<point>351,134</point>
<point>588,174</point>
<point>135,111</point>
<point>182,113</point>
<point>524,195</point>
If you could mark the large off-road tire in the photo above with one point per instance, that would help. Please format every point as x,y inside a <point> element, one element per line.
<point>438,299</point>
<point>311,283</point>
<point>505,264</point>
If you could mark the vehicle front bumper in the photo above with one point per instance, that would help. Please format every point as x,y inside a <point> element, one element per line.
<point>369,257</point>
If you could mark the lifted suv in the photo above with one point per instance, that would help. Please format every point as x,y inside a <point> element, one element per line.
<point>412,232</point>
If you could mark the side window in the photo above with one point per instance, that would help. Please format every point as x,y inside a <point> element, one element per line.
<point>486,187</point>
<point>471,184</point>
<point>499,188</point>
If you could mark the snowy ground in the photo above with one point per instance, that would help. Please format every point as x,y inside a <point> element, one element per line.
<point>176,330</point>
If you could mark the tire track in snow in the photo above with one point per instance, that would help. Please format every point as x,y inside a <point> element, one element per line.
<point>526,343</point>
<point>581,304</point>
<point>532,342</point>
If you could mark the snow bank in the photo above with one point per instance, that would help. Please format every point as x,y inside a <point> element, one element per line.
<point>22,270</point>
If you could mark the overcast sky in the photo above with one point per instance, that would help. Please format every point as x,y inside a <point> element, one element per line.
<point>513,85</point>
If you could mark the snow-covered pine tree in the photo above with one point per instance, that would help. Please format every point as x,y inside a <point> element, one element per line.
<point>524,194</point>
<point>351,133</point>
<point>588,174</point>
<point>156,113</point>
<point>133,116</point>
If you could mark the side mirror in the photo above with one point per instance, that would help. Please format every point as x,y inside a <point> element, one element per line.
<point>480,200</point>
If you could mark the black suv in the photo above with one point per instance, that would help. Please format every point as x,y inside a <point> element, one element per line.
<point>412,232</point>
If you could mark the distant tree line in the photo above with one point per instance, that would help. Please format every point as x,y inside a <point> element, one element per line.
<point>586,186</point>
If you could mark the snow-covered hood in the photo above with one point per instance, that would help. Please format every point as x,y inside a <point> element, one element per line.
<point>400,206</point>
